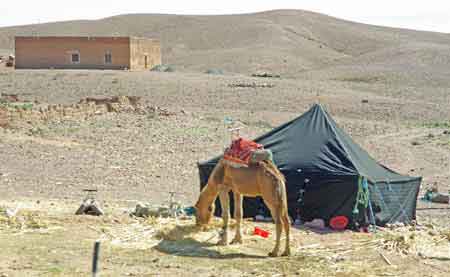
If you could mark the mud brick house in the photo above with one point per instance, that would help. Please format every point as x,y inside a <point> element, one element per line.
<point>68,52</point>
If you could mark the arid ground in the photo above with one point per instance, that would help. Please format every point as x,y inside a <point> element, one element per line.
<point>388,88</point>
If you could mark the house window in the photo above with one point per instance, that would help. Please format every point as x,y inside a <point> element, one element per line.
<point>108,57</point>
<point>75,57</point>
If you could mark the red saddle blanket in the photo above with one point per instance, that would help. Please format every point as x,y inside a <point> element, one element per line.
<point>240,150</point>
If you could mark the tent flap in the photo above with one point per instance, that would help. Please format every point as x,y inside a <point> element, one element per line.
<point>394,201</point>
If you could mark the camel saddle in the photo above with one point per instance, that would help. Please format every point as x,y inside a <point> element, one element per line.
<point>243,153</point>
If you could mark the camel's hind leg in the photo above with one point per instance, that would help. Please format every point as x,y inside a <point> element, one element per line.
<point>287,228</point>
<point>225,205</point>
<point>275,212</point>
<point>238,217</point>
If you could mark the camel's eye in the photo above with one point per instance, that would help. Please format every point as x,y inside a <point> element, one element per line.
<point>210,208</point>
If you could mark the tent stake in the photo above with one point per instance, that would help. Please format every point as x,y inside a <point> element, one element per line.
<point>95,259</point>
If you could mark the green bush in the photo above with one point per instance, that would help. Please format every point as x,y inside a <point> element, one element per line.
<point>163,68</point>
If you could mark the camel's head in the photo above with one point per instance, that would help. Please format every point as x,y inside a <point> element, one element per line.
<point>203,215</point>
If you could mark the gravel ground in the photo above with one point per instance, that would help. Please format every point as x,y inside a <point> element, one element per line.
<point>134,156</point>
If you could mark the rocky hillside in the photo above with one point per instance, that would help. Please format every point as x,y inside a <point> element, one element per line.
<point>289,42</point>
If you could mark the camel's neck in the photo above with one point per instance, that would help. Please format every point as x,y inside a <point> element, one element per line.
<point>208,195</point>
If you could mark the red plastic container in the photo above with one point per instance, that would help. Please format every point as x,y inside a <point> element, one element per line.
<point>339,222</point>
<point>261,232</point>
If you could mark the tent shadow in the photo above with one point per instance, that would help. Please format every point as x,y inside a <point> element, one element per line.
<point>180,244</point>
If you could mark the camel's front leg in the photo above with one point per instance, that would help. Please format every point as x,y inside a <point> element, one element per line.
<point>238,216</point>
<point>225,205</point>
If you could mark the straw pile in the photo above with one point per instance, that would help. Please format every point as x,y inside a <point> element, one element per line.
<point>410,240</point>
<point>426,241</point>
<point>398,242</point>
<point>175,230</point>
<point>135,236</point>
<point>152,231</point>
<point>446,234</point>
<point>149,232</point>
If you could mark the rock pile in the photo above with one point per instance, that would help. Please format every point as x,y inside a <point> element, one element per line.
<point>115,103</point>
<point>3,117</point>
<point>265,75</point>
<point>251,85</point>
<point>7,98</point>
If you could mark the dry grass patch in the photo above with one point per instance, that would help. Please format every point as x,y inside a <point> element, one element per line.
<point>22,220</point>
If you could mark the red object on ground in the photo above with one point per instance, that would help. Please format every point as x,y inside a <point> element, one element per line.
<point>240,150</point>
<point>339,222</point>
<point>364,230</point>
<point>261,232</point>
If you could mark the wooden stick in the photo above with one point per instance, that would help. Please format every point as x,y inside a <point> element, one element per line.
<point>92,228</point>
<point>384,258</point>
<point>213,236</point>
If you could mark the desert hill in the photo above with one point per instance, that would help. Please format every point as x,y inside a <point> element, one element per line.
<point>289,42</point>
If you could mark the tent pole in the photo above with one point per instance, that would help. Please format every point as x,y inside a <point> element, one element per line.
<point>372,217</point>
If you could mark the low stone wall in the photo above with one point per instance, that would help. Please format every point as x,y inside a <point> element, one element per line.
<point>86,108</point>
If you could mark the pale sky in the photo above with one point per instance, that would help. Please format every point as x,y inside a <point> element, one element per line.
<point>432,15</point>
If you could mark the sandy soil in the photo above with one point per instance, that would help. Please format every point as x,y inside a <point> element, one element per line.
<point>130,157</point>
<point>54,242</point>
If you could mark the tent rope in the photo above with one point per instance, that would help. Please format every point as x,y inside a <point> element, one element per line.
<point>362,197</point>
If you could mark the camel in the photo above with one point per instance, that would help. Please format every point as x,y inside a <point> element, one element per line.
<point>261,179</point>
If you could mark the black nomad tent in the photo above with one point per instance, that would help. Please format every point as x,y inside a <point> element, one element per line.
<point>323,167</point>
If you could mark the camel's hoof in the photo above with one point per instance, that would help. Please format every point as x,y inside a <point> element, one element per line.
<point>236,241</point>
<point>273,254</point>
<point>286,253</point>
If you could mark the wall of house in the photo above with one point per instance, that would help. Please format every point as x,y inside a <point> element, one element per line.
<point>55,52</point>
<point>141,48</point>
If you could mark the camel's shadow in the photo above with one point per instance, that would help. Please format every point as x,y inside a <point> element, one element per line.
<point>178,242</point>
